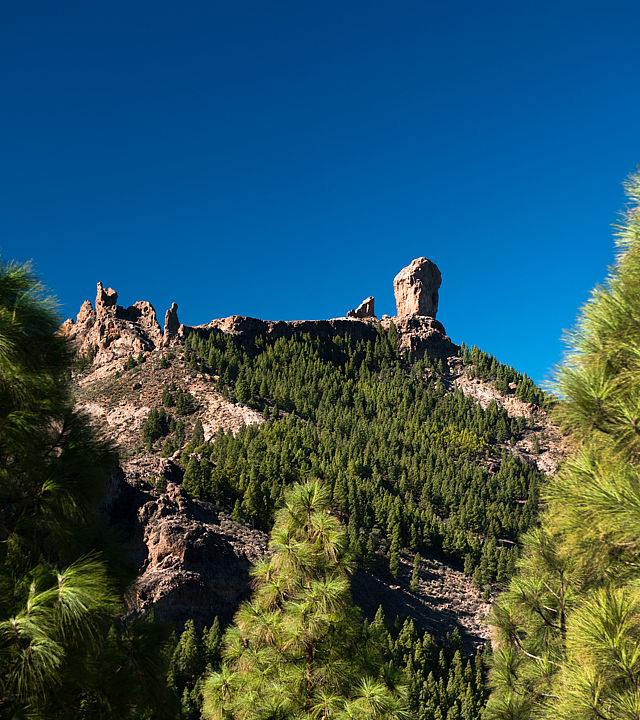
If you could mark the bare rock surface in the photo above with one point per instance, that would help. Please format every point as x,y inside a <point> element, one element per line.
<point>111,331</point>
<point>364,310</point>
<point>193,561</point>
<point>171,323</point>
<point>444,600</point>
<point>416,288</point>
<point>422,335</point>
<point>105,299</point>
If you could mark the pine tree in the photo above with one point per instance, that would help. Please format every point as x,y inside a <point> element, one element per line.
<point>299,648</point>
<point>415,575</point>
<point>58,656</point>
<point>568,629</point>
<point>197,437</point>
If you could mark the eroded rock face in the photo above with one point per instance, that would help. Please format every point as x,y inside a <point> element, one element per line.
<point>105,299</point>
<point>364,310</point>
<point>416,288</point>
<point>171,323</point>
<point>193,561</point>
<point>420,335</point>
<point>111,331</point>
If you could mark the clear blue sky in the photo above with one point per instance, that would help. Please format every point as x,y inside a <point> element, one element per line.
<point>286,159</point>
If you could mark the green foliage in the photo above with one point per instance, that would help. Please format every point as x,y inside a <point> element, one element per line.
<point>194,655</point>
<point>396,450</point>
<point>568,629</point>
<point>185,402</point>
<point>130,364</point>
<point>62,652</point>
<point>298,648</point>
<point>415,574</point>
<point>197,436</point>
<point>442,682</point>
<point>168,398</point>
<point>158,424</point>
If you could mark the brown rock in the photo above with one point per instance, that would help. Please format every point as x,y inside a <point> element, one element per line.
<point>171,323</point>
<point>421,336</point>
<point>111,331</point>
<point>143,314</point>
<point>86,314</point>
<point>416,288</point>
<point>105,299</point>
<point>364,310</point>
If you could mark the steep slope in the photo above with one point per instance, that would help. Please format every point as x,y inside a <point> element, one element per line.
<point>427,446</point>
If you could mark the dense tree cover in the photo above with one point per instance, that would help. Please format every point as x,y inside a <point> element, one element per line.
<point>568,629</point>
<point>195,656</point>
<point>443,682</point>
<point>63,654</point>
<point>299,648</point>
<point>409,465</point>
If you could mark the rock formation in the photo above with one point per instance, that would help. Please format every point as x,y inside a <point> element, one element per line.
<point>171,323</point>
<point>364,310</point>
<point>416,288</point>
<point>105,299</point>
<point>111,331</point>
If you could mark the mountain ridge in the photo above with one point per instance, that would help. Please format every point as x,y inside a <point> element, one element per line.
<point>128,365</point>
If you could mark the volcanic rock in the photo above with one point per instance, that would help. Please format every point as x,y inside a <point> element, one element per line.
<point>111,331</point>
<point>416,288</point>
<point>193,561</point>
<point>86,314</point>
<point>105,299</point>
<point>420,335</point>
<point>171,323</point>
<point>364,310</point>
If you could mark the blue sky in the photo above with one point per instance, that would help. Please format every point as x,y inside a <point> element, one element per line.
<point>285,160</point>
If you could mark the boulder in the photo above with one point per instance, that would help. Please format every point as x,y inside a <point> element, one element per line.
<point>364,310</point>
<point>416,288</point>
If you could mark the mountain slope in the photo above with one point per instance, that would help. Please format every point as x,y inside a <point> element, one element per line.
<point>429,447</point>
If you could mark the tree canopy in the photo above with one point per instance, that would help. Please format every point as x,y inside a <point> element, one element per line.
<point>298,648</point>
<point>568,629</point>
<point>63,653</point>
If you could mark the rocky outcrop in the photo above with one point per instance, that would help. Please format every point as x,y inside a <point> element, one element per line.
<point>422,335</point>
<point>143,315</point>
<point>105,300</point>
<point>110,331</point>
<point>86,315</point>
<point>418,335</point>
<point>416,288</point>
<point>197,560</point>
<point>364,310</point>
<point>171,323</point>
